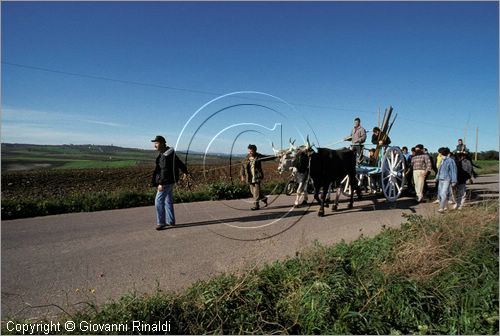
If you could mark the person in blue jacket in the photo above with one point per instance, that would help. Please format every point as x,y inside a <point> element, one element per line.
<point>446,176</point>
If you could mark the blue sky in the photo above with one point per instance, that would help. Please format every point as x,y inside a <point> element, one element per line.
<point>121,72</point>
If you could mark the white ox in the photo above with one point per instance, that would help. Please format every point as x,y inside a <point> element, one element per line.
<point>286,158</point>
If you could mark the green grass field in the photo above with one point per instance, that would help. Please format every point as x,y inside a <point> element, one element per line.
<point>83,164</point>
<point>487,166</point>
<point>27,157</point>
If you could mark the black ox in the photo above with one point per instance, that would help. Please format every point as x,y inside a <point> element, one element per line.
<point>328,166</point>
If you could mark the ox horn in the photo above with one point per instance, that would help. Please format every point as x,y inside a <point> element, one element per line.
<point>274,149</point>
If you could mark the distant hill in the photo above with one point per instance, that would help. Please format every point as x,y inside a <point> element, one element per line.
<point>84,149</point>
<point>28,156</point>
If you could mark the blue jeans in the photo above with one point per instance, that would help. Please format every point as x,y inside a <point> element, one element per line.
<point>443,193</point>
<point>164,203</point>
<point>461,195</point>
<point>450,192</point>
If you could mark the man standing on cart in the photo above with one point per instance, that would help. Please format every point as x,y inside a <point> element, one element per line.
<point>358,138</point>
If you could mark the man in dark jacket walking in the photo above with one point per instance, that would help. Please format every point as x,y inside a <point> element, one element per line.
<point>252,173</point>
<point>165,175</point>
<point>464,167</point>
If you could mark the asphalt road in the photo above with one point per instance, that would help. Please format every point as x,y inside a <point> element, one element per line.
<point>65,260</point>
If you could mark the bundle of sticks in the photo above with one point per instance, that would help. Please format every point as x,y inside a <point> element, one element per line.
<point>385,128</point>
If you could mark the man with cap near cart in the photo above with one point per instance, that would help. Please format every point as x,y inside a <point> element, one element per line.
<point>165,175</point>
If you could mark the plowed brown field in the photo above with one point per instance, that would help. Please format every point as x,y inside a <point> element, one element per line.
<point>50,183</point>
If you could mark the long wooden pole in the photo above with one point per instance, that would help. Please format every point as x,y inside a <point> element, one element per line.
<point>378,125</point>
<point>383,119</point>
<point>385,124</point>
<point>390,127</point>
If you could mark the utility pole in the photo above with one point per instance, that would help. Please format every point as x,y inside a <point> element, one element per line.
<point>281,135</point>
<point>465,135</point>
<point>477,136</point>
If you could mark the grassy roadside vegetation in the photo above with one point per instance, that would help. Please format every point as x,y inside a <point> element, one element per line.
<point>436,275</point>
<point>487,166</point>
<point>103,200</point>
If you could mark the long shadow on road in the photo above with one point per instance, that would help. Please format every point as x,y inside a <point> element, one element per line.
<point>246,219</point>
<point>377,203</point>
<point>482,194</point>
<point>479,183</point>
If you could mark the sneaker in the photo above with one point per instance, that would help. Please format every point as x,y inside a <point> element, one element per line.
<point>436,202</point>
<point>161,227</point>
<point>451,202</point>
<point>254,208</point>
<point>441,211</point>
<point>264,200</point>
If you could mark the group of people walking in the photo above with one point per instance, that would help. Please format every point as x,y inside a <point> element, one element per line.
<point>453,170</point>
<point>167,171</point>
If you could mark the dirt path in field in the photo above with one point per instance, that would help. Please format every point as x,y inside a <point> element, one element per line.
<point>94,257</point>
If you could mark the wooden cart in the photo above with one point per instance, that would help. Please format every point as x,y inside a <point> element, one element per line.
<point>389,170</point>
